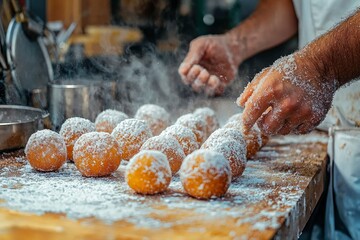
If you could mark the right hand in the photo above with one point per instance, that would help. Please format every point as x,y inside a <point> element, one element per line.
<point>210,64</point>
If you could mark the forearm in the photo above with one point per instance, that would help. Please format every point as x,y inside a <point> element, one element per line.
<point>336,54</point>
<point>272,23</point>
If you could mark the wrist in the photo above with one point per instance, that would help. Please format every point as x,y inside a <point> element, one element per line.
<point>237,46</point>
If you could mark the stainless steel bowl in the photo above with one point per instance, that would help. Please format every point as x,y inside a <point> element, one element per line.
<point>17,123</point>
<point>79,98</point>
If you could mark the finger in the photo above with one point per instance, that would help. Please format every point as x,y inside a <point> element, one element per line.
<point>184,69</point>
<point>291,124</point>
<point>194,73</point>
<point>273,121</point>
<point>249,89</point>
<point>304,128</point>
<point>204,77</point>
<point>195,54</point>
<point>212,85</point>
<point>256,106</point>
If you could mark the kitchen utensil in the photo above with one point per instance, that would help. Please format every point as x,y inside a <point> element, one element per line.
<point>28,59</point>
<point>79,98</point>
<point>17,123</point>
<point>38,98</point>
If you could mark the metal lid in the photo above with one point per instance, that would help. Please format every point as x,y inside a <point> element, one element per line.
<point>28,59</point>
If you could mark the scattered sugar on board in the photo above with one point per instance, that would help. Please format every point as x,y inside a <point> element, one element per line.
<point>110,199</point>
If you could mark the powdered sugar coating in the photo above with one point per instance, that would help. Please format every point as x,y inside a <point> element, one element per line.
<point>131,135</point>
<point>156,117</point>
<point>252,138</point>
<point>96,154</point>
<point>107,120</point>
<point>233,151</point>
<point>46,150</point>
<point>196,124</point>
<point>72,129</point>
<point>209,116</point>
<point>227,133</point>
<point>184,136</point>
<point>205,174</point>
<point>148,172</point>
<point>169,146</point>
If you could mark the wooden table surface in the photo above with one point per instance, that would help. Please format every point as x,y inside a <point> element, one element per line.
<point>274,198</point>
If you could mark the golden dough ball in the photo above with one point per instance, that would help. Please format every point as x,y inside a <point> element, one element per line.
<point>209,116</point>
<point>227,133</point>
<point>205,174</point>
<point>72,129</point>
<point>107,120</point>
<point>252,138</point>
<point>46,151</point>
<point>169,146</point>
<point>233,151</point>
<point>148,172</point>
<point>155,116</point>
<point>184,136</point>
<point>196,124</point>
<point>131,135</point>
<point>96,154</point>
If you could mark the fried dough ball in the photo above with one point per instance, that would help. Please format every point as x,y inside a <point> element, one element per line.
<point>107,120</point>
<point>205,174</point>
<point>196,124</point>
<point>233,151</point>
<point>131,135</point>
<point>184,136</point>
<point>238,118</point>
<point>148,172</point>
<point>46,151</point>
<point>155,116</point>
<point>252,138</point>
<point>72,129</point>
<point>169,146</point>
<point>209,116</point>
<point>96,154</point>
<point>227,133</point>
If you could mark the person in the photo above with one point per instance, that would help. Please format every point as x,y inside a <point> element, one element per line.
<point>295,93</point>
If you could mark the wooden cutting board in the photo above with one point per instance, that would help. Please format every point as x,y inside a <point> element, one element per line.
<point>274,198</point>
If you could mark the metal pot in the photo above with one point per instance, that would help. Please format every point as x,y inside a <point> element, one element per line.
<point>17,123</point>
<point>79,98</point>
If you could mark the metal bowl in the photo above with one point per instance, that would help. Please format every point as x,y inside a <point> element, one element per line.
<point>17,123</point>
<point>79,98</point>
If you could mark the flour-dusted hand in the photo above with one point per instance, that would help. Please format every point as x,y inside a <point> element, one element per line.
<point>210,64</point>
<point>291,96</point>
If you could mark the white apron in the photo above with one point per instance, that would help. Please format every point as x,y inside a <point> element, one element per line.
<point>343,200</point>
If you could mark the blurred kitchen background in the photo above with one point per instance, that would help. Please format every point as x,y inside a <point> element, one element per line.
<point>137,43</point>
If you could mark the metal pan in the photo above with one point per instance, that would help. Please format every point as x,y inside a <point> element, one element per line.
<point>17,123</point>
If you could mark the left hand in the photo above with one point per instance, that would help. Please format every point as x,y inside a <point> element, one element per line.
<point>288,97</point>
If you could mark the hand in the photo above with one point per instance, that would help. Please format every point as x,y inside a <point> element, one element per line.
<point>291,96</point>
<point>210,64</point>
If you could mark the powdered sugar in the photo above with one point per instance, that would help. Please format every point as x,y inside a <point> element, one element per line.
<point>46,137</point>
<point>195,123</point>
<point>131,134</point>
<point>233,151</point>
<point>213,162</point>
<point>168,145</point>
<point>209,116</point>
<point>156,117</point>
<point>260,199</point>
<point>95,150</point>
<point>228,133</point>
<point>75,126</point>
<point>159,169</point>
<point>184,136</point>
<point>110,117</point>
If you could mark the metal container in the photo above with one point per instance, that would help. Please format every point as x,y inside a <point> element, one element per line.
<point>17,123</point>
<point>79,98</point>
